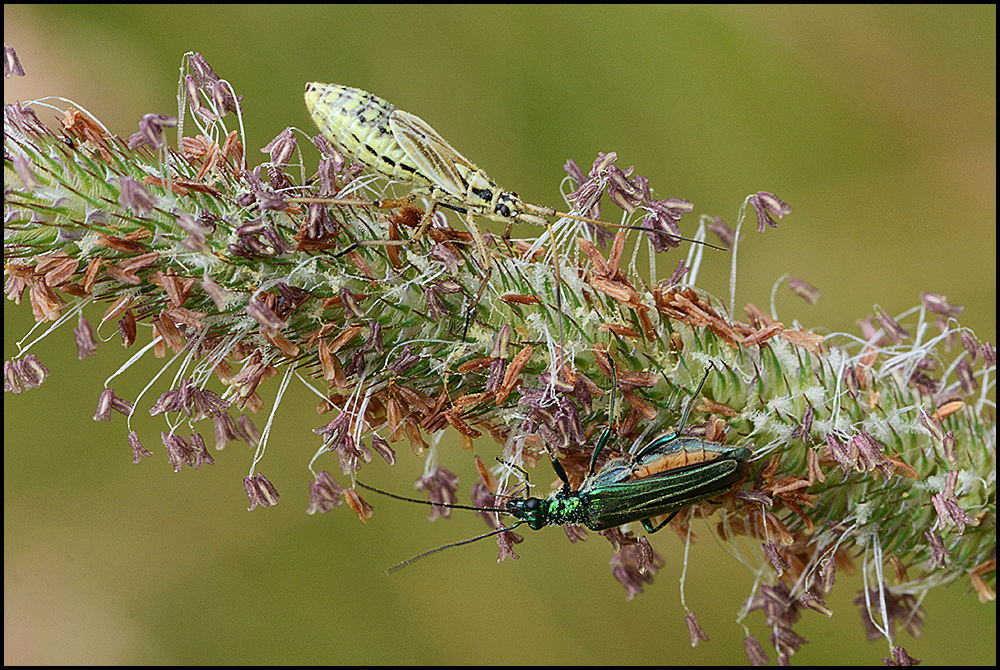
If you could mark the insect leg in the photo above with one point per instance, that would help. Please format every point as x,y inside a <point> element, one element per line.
<point>425,220</point>
<point>611,416</point>
<point>561,473</point>
<point>659,442</point>
<point>486,264</point>
<point>480,244</point>
<point>470,223</point>
<point>394,203</point>
<point>648,523</point>
<point>475,301</point>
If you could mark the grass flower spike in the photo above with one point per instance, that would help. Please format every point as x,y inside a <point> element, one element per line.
<point>872,450</point>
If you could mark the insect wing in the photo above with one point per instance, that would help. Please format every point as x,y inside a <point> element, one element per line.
<point>431,153</point>
<point>612,503</point>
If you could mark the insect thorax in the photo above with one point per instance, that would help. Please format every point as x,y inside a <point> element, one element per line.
<point>560,508</point>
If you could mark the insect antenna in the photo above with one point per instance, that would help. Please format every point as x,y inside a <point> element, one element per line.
<point>427,502</point>
<point>380,204</point>
<point>647,229</point>
<point>410,561</point>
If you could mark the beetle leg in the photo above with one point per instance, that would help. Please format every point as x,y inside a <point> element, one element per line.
<point>648,523</point>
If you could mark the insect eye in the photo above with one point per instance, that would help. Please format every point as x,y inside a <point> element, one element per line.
<point>531,504</point>
<point>503,210</point>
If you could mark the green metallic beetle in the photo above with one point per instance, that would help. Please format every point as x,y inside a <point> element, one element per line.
<point>668,475</point>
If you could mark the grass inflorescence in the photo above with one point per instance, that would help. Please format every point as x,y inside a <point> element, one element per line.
<point>876,447</point>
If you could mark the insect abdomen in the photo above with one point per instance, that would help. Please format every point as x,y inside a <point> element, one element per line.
<point>357,122</point>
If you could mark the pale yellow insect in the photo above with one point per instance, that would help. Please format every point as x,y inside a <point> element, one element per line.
<point>403,147</point>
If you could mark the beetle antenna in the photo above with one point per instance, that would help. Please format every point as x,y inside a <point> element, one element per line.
<point>410,561</point>
<point>428,502</point>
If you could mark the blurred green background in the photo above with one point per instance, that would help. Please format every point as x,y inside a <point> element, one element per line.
<point>876,124</point>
